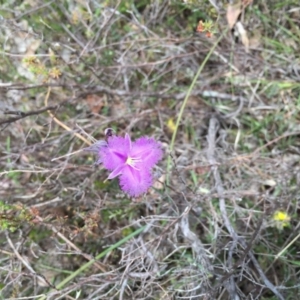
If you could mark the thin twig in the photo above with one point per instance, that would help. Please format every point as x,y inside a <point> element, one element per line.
<point>43,280</point>
<point>57,121</point>
<point>73,246</point>
<point>22,115</point>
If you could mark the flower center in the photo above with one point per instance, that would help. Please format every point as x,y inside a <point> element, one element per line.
<point>131,161</point>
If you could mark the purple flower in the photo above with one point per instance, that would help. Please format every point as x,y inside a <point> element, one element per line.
<point>131,161</point>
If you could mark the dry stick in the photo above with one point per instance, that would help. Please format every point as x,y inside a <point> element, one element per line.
<point>103,26</point>
<point>43,280</point>
<point>211,139</point>
<point>241,259</point>
<point>86,256</point>
<point>68,154</point>
<point>33,10</point>
<point>276,140</point>
<point>198,249</point>
<point>22,115</point>
<point>61,123</point>
<point>99,89</point>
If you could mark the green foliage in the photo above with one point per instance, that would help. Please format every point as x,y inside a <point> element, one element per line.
<point>39,69</point>
<point>13,216</point>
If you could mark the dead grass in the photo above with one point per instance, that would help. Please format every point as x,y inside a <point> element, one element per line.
<point>209,228</point>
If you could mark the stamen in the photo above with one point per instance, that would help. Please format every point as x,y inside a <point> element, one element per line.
<point>131,161</point>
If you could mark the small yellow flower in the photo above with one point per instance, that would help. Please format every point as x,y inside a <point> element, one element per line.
<point>281,219</point>
<point>171,125</point>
